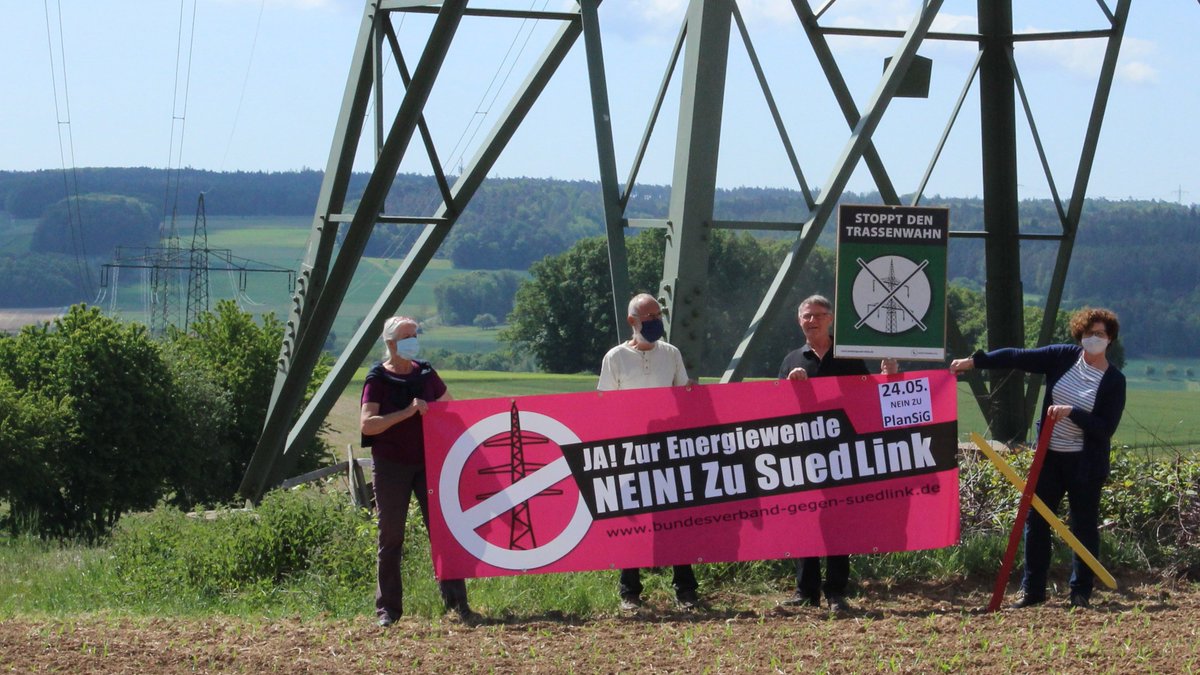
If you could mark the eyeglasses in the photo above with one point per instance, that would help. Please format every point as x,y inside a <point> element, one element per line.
<point>1096,333</point>
<point>812,317</point>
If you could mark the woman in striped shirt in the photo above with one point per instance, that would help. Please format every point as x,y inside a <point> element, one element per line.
<point>1085,396</point>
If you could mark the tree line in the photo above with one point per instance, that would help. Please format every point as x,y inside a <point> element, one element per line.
<point>1133,256</point>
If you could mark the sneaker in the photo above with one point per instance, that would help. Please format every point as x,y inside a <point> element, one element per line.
<point>631,603</point>
<point>1027,600</point>
<point>386,621</point>
<point>1080,601</point>
<point>800,600</point>
<point>687,600</point>
<point>837,603</point>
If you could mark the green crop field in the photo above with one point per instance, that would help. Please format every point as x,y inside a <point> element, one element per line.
<point>1167,374</point>
<point>17,235</point>
<point>1152,419</point>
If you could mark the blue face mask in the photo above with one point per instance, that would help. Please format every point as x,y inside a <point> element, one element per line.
<point>652,330</point>
<point>408,348</point>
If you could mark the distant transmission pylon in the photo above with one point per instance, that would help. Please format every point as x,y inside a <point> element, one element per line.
<point>197,297</point>
<point>171,259</point>
<point>164,261</point>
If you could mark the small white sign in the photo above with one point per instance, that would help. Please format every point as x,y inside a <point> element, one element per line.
<point>905,402</point>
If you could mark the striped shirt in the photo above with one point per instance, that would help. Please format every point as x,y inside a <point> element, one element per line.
<point>1076,388</point>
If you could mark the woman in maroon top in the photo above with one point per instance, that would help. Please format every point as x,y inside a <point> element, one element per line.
<point>395,398</point>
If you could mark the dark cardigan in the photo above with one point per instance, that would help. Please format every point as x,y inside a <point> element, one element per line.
<point>1099,425</point>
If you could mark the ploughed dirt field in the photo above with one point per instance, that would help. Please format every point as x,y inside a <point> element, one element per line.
<point>1144,628</point>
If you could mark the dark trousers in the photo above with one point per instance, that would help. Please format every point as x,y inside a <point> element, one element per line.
<point>808,577</point>
<point>682,578</point>
<point>1061,476</point>
<point>395,484</point>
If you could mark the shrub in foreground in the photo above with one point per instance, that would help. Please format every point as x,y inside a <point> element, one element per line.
<point>290,535</point>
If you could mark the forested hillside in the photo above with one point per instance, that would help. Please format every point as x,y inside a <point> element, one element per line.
<point>1135,256</point>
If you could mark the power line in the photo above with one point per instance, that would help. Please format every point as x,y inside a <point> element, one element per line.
<point>178,117</point>
<point>245,82</point>
<point>69,173</point>
<point>161,275</point>
<point>484,107</point>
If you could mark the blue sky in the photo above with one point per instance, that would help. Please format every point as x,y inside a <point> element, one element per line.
<point>265,80</point>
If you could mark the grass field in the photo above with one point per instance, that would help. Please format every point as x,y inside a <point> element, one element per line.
<point>1173,374</point>
<point>18,234</point>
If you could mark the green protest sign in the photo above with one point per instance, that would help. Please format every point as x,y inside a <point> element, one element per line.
<point>891,282</point>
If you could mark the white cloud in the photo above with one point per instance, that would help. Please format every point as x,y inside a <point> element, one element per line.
<point>1084,57</point>
<point>657,13</point>
<point>1137,72</point>
<point>1134,63</point>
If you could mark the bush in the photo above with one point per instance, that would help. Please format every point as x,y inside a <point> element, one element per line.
<point>290,535</point>
<point>503,360</point>
<point>109,436</point>
<point>32,426</point>
<point>223,371</point>
<point>97,418</point>
<point>1150,508</point>
<point>41,280</point>
<point>1152,505</point>
<point>465,297</point>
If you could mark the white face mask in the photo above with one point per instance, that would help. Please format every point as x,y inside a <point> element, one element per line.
<point>1094,345</point>
<point>407,348</point>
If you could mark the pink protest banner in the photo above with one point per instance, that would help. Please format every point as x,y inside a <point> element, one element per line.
<point>709,473</point>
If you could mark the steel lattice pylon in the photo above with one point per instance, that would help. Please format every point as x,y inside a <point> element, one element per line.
<point>163,262</point>
<point>197,296</point>
<point>700,55</point>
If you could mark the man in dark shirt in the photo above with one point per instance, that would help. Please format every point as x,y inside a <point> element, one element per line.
<point>815,359</point>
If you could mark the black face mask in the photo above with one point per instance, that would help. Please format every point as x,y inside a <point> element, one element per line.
<point>652,330</point>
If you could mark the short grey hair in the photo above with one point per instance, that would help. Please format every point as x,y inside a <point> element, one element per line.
<point>639,299</point>
<point>816,299</point>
